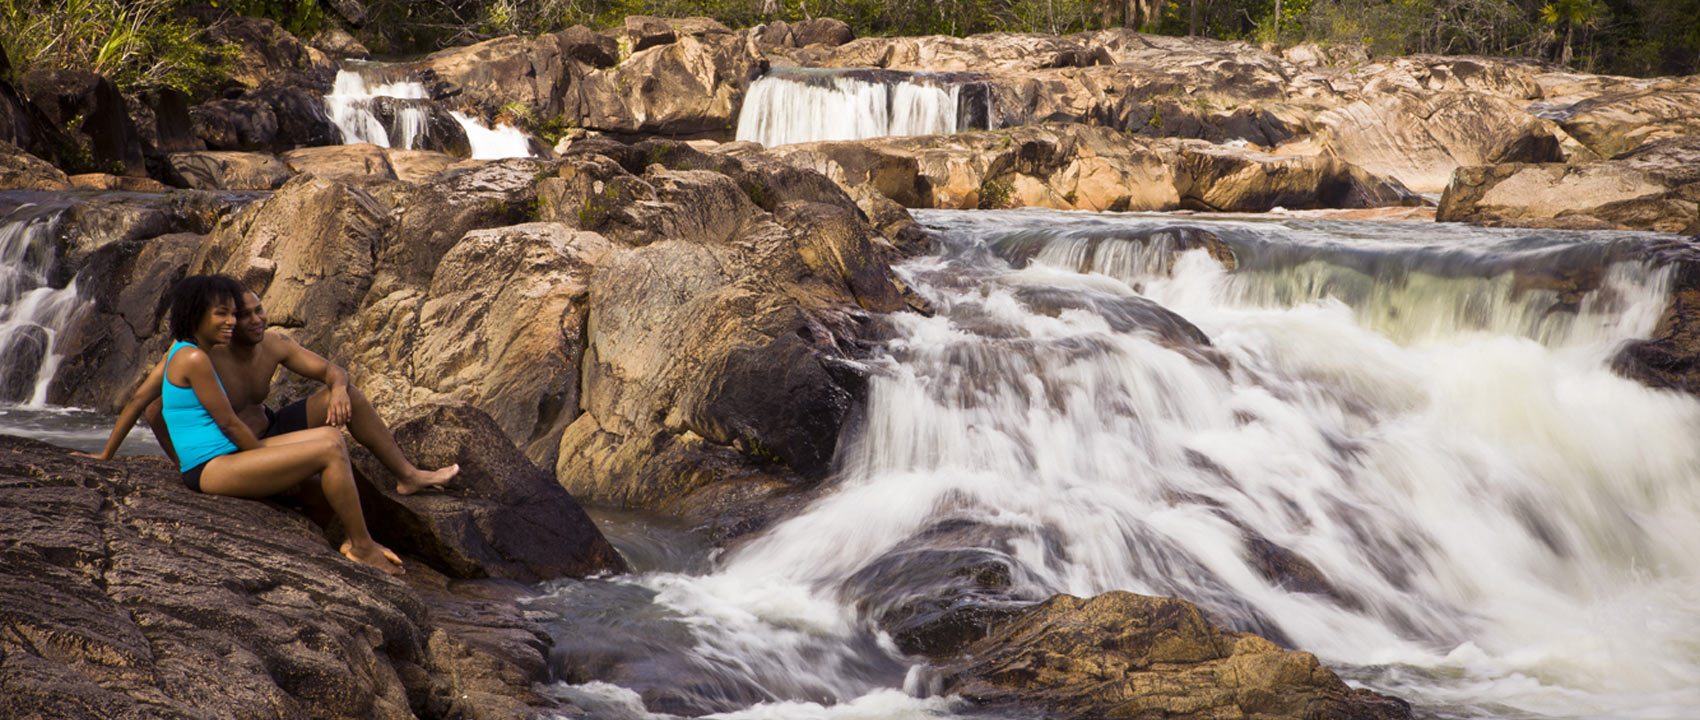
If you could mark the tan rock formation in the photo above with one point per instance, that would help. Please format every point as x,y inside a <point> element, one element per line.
<point>1655,187</point>
<point>226,170</point>
<point>341,162</point>
<point>1419,137</point>
<point>1124,655</point>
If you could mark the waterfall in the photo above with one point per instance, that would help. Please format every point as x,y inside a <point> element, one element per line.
<point>1420,418</point>
<point>350,107</point>
<point>803,105</point>
<point>33,313</point>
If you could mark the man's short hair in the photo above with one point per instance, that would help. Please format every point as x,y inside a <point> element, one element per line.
<point>194,295</point>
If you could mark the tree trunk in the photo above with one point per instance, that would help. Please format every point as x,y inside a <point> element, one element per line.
<point>769,7</point>
<point>1192,24</point>
<point>1275,32</point>
<point>1565,58</point>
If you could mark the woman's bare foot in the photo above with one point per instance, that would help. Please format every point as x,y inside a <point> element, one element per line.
<point>377,556</point>
<point>425,478</point>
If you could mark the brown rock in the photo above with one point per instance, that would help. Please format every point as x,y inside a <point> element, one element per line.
<point>86,127</point>
<point>1670,358</point>
<point>1233,179</point>
<point>826,32</point>
<point>269,56</point>
<point>1419,138</point>
<point>1622,116</point>
<point>20,170</point>
<point>1656,187</point>
<point>308,251</point>
<point>502,327</point>
<point>162,120</point>
<point>419,166</point>
<point>501,517</point>
<point>221,170</point>
<point>129,596</point>
<point>341,162</point>
<point>1126,655</point>
<point>690,86</point>
<point>277,119</point>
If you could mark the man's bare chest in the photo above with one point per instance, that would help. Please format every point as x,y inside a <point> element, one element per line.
<point>246,383</point>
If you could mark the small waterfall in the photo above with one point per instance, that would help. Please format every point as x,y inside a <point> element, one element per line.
<point>502,141</point>
<point>33,314</point>
<point>795,105</point>
<point>350,105</point>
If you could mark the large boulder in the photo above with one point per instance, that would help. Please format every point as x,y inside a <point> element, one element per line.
<point>308,251</point>
<point>1419,138</point>
<point>1655,187</point>
<point>502,327</point>
<point>1670,357</point>
<point>269,56</point>
<point>162,120</point>
<point>691,86</point>
<point>1237,180</point>
<point>128,596</point>
<point>86,127</point>
<point>341,162</point>
<point>1125,655</point>
<point>502,71</point>
<point>20,170</point>
<point>502,516</point>
<point>1623,116</point>
<point>276,119</point>
<point>226,170</point>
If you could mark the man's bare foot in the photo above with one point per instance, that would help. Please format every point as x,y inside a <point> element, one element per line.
<point>425,478</point>
<point>378,556</point>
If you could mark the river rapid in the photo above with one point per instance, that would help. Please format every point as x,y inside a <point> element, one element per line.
<point>1424,413</point>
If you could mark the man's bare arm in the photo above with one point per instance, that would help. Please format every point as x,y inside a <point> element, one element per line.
<point>309,364</point>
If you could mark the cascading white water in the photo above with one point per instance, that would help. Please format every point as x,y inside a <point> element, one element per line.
<point>1505,526</point>
<point>33,314</point>
<point>350,107</point>
<point>812,106</point>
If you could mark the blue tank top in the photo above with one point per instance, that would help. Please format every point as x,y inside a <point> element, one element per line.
<point>194,434</point>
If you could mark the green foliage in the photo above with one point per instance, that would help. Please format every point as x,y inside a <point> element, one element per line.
<point>995,193</point>
<point>137,43</point>
<point>301,17</point>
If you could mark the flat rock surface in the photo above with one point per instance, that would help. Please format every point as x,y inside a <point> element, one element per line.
<point>125,595</point>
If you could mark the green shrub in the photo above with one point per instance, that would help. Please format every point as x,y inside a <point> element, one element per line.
<point>995,194</point>
<point>137,43</point>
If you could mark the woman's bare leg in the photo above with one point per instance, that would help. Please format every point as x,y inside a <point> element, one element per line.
<point>277,467</point>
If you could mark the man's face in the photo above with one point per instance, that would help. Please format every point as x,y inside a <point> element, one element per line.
<point>250,320</point>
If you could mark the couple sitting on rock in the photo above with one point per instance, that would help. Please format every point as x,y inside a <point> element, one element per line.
<point>205,402</point>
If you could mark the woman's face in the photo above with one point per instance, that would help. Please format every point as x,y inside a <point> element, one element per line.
<point>217,325</point>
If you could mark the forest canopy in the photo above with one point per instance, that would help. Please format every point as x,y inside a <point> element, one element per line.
<point>154,43</point>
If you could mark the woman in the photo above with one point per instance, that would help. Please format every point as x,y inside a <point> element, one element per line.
<point>217,453</point>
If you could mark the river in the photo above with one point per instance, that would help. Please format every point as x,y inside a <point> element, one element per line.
<point>1422,414</point>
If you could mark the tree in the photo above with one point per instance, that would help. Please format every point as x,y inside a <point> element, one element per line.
<point>1132,13</point>
<point>1570,14</point>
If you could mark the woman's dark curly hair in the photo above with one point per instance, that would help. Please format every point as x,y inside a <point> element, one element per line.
<point>194,296</point>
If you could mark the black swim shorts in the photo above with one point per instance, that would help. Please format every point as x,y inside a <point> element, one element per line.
<point>192,476</point>
<point>291,418</point>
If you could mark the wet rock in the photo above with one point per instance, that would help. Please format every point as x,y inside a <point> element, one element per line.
<point>121,183</point>
<point>223,170</point>
<point>21,355</point>
<point>440,131</point>
<point>269,56</point>
<point>274,119</point>
<point>1126,655</point>
<point>501,517</point>
<point>1419,138</point>
<point>20,170</point>
<point>1655,187</point>
<point>341,162</point>
<point>86,127</point>
<point>129,595</point>
<point>1670,357</point>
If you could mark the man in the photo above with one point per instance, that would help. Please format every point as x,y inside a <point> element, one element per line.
<point>245,367</point>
